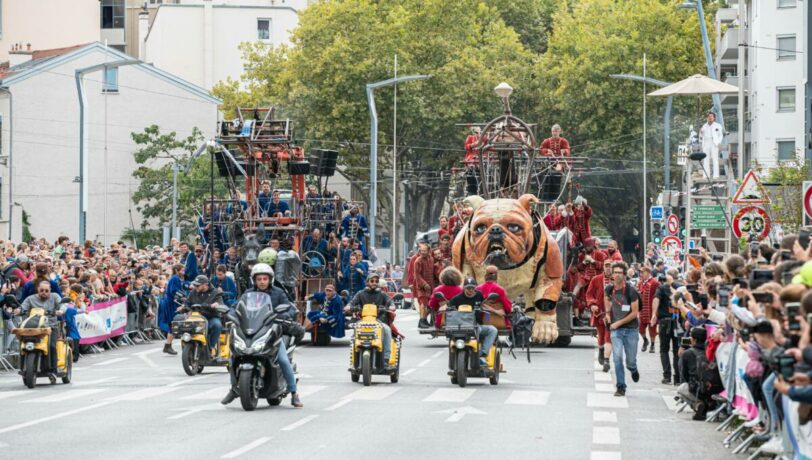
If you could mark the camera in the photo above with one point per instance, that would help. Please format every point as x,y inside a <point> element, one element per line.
<point>754,249</point>
<point>763,297</point>
<point>724,296</point>
<point>793,310</point>
<point>744,333</point>
<point>783,365</point>
<point>803,237</point>
<point>685,342</point>
<point>743,283</point>
<point>759,276</point>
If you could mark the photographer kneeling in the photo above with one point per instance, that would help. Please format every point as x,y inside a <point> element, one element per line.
<point>697,388</point>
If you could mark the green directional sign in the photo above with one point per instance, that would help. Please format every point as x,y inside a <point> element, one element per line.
<point>708,216</point>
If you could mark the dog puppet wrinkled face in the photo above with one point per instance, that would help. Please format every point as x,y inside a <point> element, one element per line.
<point>501,231</point>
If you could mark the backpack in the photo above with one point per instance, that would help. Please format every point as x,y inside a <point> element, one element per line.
<point>709,379</point>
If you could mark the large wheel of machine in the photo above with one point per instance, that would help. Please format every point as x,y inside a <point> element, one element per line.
<point>248,390</point>
<point>497,366</point>
<point>461,369</point>
<point>31,367</point>
<point>189,358</point>
<point>366,368</point>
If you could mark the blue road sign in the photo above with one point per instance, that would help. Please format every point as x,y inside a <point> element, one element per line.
<point>656,212</point>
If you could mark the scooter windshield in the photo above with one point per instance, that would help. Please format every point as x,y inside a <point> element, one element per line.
<point>253,308</point>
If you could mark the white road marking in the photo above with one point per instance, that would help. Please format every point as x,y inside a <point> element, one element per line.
<point>450,395</point>
<point>140,395</point>
<point>247,447</point>
<point>605,435</point>
<point>301,422</point>
<point>93,382</point>
<point>606,400</point>
<point>605,387</point>
<point>340,403</point>
<point>424,362</point>
<point>603,377</point>
<point>215,393</point>
<point>601,416</point>
<point>528,398</point>
<point>437,355</point>
<point>670,402</point>
<point>459,413</point>
<point>307,390</point>
<point>376,393</point>
<point>148,352</point>
<point>13,393</point>
<point>193,410</point>
<point>410,371</point>
<point>53,417</point>
<point>65,395</point>
<point>605,456</point>
<point>598,366</point>
<point>187,380</point>
<point>110,361</point>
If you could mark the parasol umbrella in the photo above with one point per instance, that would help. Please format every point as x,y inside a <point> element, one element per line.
<point>695,85</point>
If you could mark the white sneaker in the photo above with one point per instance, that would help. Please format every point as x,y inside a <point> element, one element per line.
<point>775,446</point>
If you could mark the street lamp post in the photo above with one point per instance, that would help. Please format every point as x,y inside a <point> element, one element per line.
<point>373,146</point>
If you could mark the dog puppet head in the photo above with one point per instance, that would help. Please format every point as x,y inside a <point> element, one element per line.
<point>501,231</point>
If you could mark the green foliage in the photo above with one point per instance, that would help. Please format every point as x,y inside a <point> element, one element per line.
<point>156,154</point>
<point>602,116</point>
<point>786,207</point>
<point>531,19</point>
<point>27,236</point>
<point>143,237</point>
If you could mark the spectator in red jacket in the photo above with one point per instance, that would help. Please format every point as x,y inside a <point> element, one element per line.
<point>450,287</point>
<point>595,301</point>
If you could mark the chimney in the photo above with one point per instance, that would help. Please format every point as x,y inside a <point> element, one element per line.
<point>18,56</point>
<point>143,30</point>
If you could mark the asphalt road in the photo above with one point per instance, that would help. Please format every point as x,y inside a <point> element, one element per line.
<point>137,402</point>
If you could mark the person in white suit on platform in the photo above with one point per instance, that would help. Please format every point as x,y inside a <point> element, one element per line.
<point>711,136</point>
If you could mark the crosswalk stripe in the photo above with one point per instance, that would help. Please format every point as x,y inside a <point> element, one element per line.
<point>140,395</point>
<point>93,382</point>
<point>528,398</point>
<point>607,417</point>
<point>606,400</point>
<point>450,395</point>
<point>13,393</point>
<point>110,361</point>
<point>65,395</point>
<point>670,402</point>
<point>605,435</point>
<point>376,393</point>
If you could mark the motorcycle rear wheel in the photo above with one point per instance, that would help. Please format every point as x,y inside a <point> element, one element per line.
<point>248,391</point>
<point>497,366</point>
<point>31,369</point>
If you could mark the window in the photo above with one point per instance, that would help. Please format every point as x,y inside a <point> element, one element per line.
<point>786,149</point>
<point>786,3</point>
<point>786,99</point>
<point>112,14</point>
<point>786,47</point>
<point>110,80</point>
<point>263,29</point>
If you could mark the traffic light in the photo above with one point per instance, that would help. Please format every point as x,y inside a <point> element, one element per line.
<point>656,232</point>
<point>682,214</point>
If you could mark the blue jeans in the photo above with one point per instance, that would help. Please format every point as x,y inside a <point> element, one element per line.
<point>487,335</point>
<point>387,343</point>
<point>768,387</point>
<point>624,339</point>
<point>215,328</point>
<point>287,368</point>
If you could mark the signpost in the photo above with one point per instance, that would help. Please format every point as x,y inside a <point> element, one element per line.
<point>672,247</point>
<point>708,216</point>
<point>656,213</point>
<point>807,197</point>
<point>673,224</point>
<point>751,191</point>
<point>752,221</point>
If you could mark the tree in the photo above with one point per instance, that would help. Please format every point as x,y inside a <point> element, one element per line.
<point>156,155</point>
<point>339,47</point>
<point>602,116</point>
<point>531,19</point>
<point>787,178</point>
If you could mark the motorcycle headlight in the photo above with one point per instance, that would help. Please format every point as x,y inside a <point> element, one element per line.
<point>239,343</point>
<point>186,337</point>
<point>259,344</point>
<point>29,346</point>
<point>460,344</point>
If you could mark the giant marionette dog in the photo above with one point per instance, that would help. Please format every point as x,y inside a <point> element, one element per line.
<point>509,234</point>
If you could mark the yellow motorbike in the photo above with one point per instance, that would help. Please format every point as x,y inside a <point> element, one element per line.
<point>366,356</point>
<point>34,334</point>
<point>463,348</point>
<point>193,333</point>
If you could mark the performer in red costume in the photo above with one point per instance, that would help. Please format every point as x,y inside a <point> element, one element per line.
<point>578,221</point>
<point>555,146</point>
<point>590,264</point>
<point>612,252</point>
<point>647,287</point>
<point>595,300</point>
<point>553,220</point>
<point>471,161</point>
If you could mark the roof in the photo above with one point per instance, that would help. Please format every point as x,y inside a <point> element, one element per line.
<point>44,60</point>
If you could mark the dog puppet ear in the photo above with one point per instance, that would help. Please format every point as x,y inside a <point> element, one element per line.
<point>527,200</point>
<point>473,201</point>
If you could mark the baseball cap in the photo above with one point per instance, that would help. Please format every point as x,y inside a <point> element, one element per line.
<point>469,282</point>
<point>200,279</point>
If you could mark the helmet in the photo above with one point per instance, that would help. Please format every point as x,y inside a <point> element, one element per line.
<point>267,256</point>
<point>262,269</point>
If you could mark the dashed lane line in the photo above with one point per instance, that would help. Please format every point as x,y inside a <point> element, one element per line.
<point>299,423</point>
<point>246,448</point>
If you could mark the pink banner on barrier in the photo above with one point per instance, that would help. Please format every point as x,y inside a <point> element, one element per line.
<point>103,320</point>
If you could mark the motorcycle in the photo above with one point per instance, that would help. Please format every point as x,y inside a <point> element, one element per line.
<point>34,334</point>
<point>255,334</point>
<point>463,348</point>
<point>193,333</point>
<point>366,356</point>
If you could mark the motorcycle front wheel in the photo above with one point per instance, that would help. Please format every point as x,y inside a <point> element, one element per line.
<point>248,391</point>
<point>366,368</point>
<point>31,368</point>
<point>461,369</point>
<point>189,358</point>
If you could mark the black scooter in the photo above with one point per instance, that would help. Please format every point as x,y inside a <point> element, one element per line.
<point>255,339</point>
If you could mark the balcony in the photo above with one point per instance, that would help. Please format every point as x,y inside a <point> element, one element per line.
<point>727,50</point>
<point>732,98</point>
